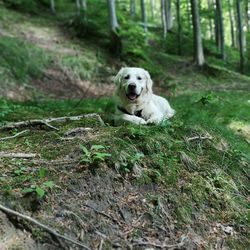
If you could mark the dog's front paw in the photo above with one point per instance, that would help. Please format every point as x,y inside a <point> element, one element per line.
<point>154,120</point>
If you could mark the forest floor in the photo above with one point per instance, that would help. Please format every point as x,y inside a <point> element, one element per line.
<point>181,185</point>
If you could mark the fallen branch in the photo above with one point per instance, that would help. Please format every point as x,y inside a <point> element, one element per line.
<point>50,230</point>
<point>17,155</point>
<point>47,121</point>
<point>208,137</point>
<point>163,246</point>
<point>14,136</point>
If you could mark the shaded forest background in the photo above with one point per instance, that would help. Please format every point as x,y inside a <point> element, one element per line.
<point>183,184</point>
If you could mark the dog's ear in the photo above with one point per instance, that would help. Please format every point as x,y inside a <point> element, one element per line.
<point>149,82</point>
<point>117,79</point>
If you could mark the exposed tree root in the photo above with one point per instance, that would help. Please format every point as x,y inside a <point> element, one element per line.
<point>48,229</point>
<point>47,121</point>
<point>14,136</point>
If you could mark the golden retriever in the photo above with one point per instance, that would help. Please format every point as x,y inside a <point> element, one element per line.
<point>135,100</point>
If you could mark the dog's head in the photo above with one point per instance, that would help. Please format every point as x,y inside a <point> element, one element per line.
<point>133,82</point>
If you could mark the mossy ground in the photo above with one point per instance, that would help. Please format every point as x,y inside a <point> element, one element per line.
<point>160,183</point>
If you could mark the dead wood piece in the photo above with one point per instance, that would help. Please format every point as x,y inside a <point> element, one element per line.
<point>208,137</point>
<point>47,121</point>
<point>50,230</point>
<point>14,136</point>
<point>17,155</point>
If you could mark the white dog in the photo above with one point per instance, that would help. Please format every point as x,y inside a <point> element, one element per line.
<point>135,100</point>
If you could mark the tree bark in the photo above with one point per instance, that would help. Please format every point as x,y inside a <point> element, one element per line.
<point>210,8</point>
<point>179,27</point>
<point>116,45</point>
<point>231,19</point>
<point>198,47</point>
<point>52,6</point>
<point>144,16</point>
<point>247,14</point>
<point>132,8</point>
<point>152,5</point>
<point>220,28</point>
<point>78,7</point>
<point>169,20</point>
<point>85,8</point>
<point>188,14</point>
<point>240,35</point>
<point>163,18</point>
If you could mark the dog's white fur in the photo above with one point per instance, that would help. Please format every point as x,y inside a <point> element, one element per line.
<point>154,108</point>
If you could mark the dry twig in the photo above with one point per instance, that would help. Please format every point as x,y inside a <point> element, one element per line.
<point>14,136</point>
<point>17,155</point>
<point>47,121</point>
<point>206,137</point>
<point>50,230</point>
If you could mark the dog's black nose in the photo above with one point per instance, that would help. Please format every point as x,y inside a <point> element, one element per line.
<point>131,86</point>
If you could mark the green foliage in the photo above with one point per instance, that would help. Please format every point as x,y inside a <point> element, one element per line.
<point>21,60</point>
<point>95,155</point>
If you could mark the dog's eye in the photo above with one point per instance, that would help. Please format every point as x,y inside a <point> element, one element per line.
<point>126,77</point>
<point>138,77</point>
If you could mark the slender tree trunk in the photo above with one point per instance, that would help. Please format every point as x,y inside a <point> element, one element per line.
<point>220,28</point>
<point>231,23</point>
<point>113,26</point>
<point>188,14</point>
<point>210,8</point>
<point>163,18</point>
<point>132,8</point>
<point>78,7</point>
<point>247,14</point>
<point>216,26</point>
<point>168,11</point>
<point>152,5</point>
<point>144,16</point>
<point>240,38</point>
<point>84,8</point>
<point>198,47</point>
<point>179,32</point>
<point>52,6</point>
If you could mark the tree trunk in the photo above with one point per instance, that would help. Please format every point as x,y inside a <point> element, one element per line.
<point>132,8</point>
<point>188,14</point>
<point>116,45</point>
<point>168,11</point>
<point>210,8</point>
<point>179,29</point>
<point>52,6</point>
<point>220,28</point>
<point>198,47</point>
<point>84,8</point>
<point>78,7</point>
<point>247,14</point>
<point>152,5</point>
<point>240,38</point>
<point>144,16</point>
<point>231,23</point>
<point>163,18</point>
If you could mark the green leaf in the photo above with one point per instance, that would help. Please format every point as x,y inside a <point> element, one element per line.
<point>97,147</point>
<point>84,149</point>
<point>42,172</point>
<point>40,192</point>
<point>27,190</point>
<point>49,184</point>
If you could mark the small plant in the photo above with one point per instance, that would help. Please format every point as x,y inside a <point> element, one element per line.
<point>95,155</point>
<point>40,190</point>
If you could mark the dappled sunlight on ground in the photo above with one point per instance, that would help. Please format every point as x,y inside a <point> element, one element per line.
<point>241,128</point>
